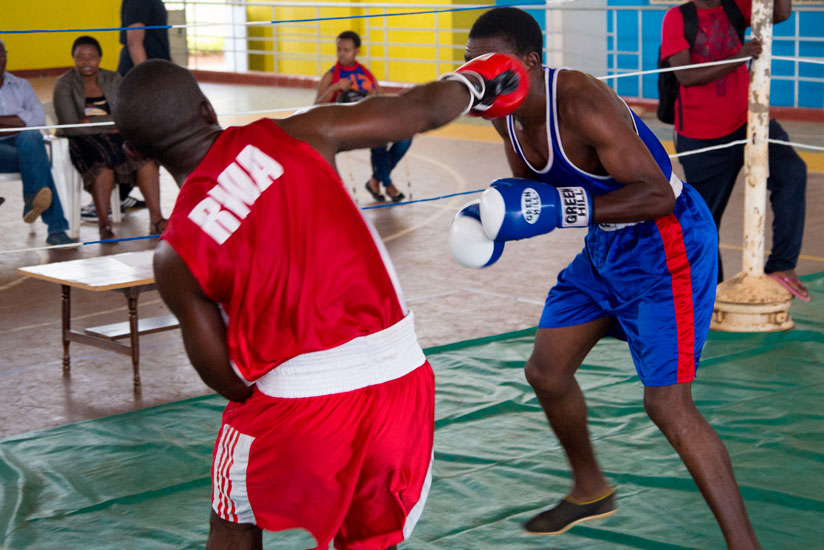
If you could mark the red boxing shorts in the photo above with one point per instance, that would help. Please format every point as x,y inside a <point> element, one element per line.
<point>353,466</point>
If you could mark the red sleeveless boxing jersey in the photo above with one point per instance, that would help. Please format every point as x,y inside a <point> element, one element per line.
<point>267,228</point>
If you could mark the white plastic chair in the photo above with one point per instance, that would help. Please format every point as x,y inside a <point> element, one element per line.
<point>68,181</point>
<point>69,185</point>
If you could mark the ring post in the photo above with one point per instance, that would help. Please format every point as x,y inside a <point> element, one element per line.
<point>750,301</point>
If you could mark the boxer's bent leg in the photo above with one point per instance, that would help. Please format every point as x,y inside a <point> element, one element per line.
<point>666,330</point>
<point>225,535</point>
<point>671,408</point>
<point>571,323</point>
<point>557,354</point>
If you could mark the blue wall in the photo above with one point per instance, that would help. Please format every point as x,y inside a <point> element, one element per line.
<point>782,92</point>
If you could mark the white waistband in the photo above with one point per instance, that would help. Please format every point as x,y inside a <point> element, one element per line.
<point>364,361</point>
<point>677,187</point>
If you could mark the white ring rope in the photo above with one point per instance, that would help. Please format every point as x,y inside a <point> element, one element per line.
<point>794,144</point>
<point>710,148</point>
<point>678,68</point>
<point>287,109</point>
<point>799,59</point>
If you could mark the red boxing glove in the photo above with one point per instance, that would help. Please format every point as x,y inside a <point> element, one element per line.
<point>497,82</point>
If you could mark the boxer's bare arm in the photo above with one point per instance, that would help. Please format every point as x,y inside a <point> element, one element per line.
<point>593,118</point>
<point>379,119</point>
<point>204,334</point>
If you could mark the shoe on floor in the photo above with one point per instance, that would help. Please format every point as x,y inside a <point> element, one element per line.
<point>570,512</point>
<point>105,232</point>
<point>397,198</point>
<point>158,227</point>
<point>130,203</point>
<point>89,212</point>
<point>60,238</point>
<point>793,285</point>
<point>2,200</point>
<point>376,196</point>
<point>36,205</point>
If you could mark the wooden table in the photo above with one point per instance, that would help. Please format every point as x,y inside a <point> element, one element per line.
<point>130,273</point>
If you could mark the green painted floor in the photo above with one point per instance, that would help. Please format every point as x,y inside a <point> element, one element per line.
<point>141,480</point>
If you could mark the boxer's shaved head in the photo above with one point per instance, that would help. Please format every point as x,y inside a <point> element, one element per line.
<point>514,25</point>
<point>159,105</point>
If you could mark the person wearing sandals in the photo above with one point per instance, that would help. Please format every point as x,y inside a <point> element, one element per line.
<point>86,94</point>
<point>711,109</point>
<point>347,82</point>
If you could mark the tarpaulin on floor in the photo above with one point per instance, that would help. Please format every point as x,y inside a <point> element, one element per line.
<point>141,480</point>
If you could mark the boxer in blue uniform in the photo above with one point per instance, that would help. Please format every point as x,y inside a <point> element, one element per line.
<point>647,272</point>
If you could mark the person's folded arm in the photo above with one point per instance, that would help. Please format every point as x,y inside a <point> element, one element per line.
<point>201,324</point>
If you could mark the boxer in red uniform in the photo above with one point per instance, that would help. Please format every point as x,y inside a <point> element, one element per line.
<point>290,308</point>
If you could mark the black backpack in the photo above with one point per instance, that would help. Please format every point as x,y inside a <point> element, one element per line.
<point>668,86</point>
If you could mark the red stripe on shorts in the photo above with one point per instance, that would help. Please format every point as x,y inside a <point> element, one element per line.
<point>227,442</point>
<point>232,508</point>
<point>679,267</point>
<point>217,482</point>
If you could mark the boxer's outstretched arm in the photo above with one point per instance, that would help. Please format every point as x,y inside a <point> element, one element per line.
<point>204,334</point>
<point>380,119</point>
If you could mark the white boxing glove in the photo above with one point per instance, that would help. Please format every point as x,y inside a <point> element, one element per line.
<point>469,244</point>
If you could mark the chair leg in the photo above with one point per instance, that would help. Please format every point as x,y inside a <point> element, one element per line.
<point>67,181</point>
<point>117,217</point>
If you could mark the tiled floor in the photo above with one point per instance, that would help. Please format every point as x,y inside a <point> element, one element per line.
<point>450,303</point>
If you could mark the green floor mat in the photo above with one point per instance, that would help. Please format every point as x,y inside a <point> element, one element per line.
<point>141,480</point>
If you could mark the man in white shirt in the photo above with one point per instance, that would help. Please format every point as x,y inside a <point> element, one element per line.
<point>24,151</point>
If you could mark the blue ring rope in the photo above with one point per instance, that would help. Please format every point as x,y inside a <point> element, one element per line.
<point>126,239</point>
<point>272,22</point>
<point>421,200</point>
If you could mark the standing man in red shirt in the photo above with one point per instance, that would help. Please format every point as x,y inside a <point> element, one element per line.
<point>290,308</point>
<point>711,109</point>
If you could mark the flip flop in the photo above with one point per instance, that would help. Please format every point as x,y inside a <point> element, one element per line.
<point>377,196</point>
<point>785,282</point>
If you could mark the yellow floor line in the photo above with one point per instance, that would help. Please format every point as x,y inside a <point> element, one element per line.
<point>486,133</point>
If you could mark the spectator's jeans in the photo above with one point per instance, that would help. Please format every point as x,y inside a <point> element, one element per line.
<point>384,160</point>
<point>714,173</point>
<point>26,153</point>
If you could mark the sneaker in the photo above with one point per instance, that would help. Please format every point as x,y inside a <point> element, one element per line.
<point>60,238</point>
<point>570,512</point>
<point>89,212</point>
<point>36,205</point>
<point>130,203</point>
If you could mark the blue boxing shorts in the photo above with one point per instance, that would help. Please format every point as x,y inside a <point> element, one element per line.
<point>656,278</point>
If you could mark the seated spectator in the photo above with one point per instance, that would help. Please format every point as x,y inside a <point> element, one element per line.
<point>25,152</point>
<point>86,94</point>
<point>347,82</point>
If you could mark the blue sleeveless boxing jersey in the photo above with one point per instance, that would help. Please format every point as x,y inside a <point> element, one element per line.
<point>655,278</point>
<point>560,171</point>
